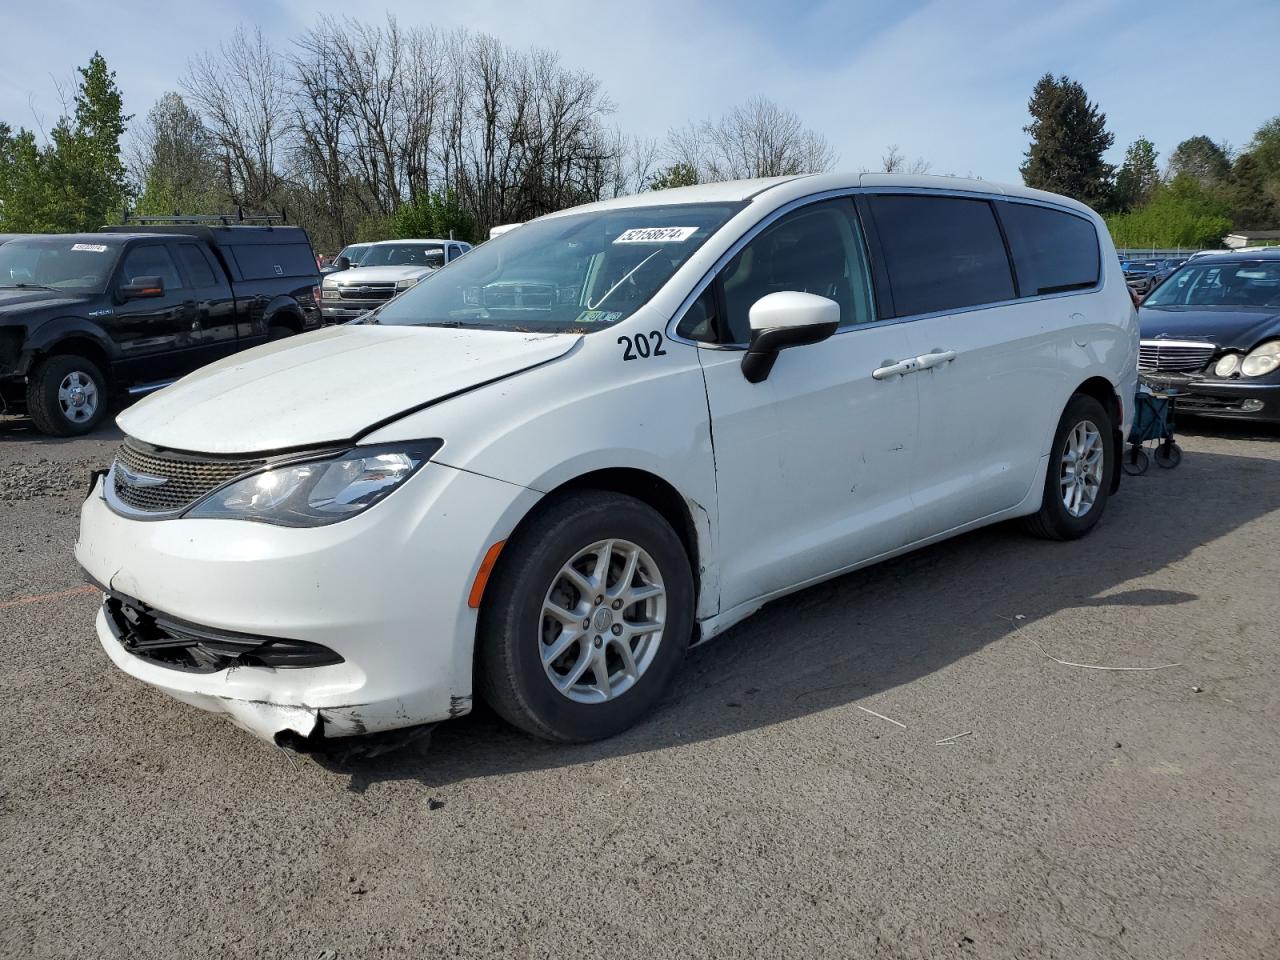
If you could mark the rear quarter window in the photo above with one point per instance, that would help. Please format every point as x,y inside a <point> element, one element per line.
<point>263,261</point>
<point>941,253</point>
<point>1053,251</point>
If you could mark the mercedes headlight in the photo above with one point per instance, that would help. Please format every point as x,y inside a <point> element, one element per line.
<point>318,492</point>
<point>1227,365</point>
<point>1262,360</point>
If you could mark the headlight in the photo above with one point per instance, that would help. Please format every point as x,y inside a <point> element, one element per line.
<point>406,283</point>
<point>1262,360</point>
<point>1227,365</point>
<point>329,293</point>
<point>315,493</point>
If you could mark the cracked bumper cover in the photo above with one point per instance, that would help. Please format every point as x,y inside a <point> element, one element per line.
<point>386,590</point>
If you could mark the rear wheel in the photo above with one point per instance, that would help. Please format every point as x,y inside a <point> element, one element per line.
<point>1081,466</point>
<point>279,332</point>
<point>587,618</point>
<point>66,396</point>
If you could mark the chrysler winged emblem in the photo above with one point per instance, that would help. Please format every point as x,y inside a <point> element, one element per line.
<point>138,479</point>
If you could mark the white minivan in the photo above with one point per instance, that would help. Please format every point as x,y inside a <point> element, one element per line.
<point>602,437</point>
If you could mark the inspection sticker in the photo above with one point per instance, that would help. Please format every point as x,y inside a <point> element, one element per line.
<point>597,316</point>
<point>90,247</point>
<point>656,235</point>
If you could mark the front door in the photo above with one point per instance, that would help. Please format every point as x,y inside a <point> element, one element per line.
<point>814,464</point>
<point>156,335</point>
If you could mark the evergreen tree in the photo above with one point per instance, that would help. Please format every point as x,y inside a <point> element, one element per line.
<point>676,175</point>
<point>1068,138</point>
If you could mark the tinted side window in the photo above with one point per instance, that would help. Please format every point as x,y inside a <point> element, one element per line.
<point>1052,251</point>
<point>816,249</point>
<point>153,261</point>
<point>941,253</point>
<point>197,265</point>
<point>260,261</point>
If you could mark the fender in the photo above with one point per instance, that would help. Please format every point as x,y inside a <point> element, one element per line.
<point>283,305</point>
<point>42,338</point>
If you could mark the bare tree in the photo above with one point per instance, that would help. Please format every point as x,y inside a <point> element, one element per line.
<point>894,162</point>
<point>241,93</point>
<point>756,139</point>
<point>172,160</point>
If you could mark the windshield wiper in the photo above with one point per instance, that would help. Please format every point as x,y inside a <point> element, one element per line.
<point>27,286</point>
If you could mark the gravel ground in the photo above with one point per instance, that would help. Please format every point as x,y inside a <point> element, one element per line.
<point>762,812</point>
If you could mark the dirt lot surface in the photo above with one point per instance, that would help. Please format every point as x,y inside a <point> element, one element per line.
<point>763,812</point>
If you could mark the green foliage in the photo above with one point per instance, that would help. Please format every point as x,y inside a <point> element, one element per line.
<point>433,215</point>
<point>1265,149</point>
<point>1068,138</point>
<point>77,180</point>
<point>1138,175</point>
<point>1201,158</point>
<point>676,175</point>
<point>179,170</point>
<point>1181,213</point>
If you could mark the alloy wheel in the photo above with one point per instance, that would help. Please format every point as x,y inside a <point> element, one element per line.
<point>1082,465</point>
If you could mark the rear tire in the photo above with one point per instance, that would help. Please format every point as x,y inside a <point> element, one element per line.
<point>587,670</point>
<point>66,396</point>
<point>1081,466</point>
<point>279,332</point>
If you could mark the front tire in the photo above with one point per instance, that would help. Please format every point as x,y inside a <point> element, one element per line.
<point>66,396</point>
<point>587,618</point>
<point>1081,467</point>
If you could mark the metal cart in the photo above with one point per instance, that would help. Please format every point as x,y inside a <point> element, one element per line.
<point>1152,422</point>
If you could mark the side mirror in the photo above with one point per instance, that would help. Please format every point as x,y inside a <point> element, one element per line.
<point>787,319</point>
<point>140,287</point>
<point>342,263</point>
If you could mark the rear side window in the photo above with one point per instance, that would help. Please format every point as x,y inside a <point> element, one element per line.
<point>941,253</point>
<point>261,261</point>
<point>197,265</point>
<point>1053,251</point>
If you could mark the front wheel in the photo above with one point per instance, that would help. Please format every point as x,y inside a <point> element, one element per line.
<point>66,396</point>
<point>587,618</point>
<point>1081,466</point>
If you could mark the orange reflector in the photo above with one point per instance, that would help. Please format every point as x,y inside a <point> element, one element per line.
<point>482,576</point>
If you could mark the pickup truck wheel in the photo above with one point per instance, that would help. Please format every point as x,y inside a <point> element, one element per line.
<point>279,333</point>
<point>66,396</point>
<point>587,618</point>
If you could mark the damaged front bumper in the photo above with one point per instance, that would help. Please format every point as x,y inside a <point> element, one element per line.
<point>354,628</point>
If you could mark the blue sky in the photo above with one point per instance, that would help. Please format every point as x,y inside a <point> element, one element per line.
<point>946,80</point>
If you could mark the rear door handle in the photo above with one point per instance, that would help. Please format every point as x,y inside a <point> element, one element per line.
<point>889,369</point>
<point>935,358</point>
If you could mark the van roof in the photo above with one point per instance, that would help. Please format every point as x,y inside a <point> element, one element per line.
<point>786,188</point>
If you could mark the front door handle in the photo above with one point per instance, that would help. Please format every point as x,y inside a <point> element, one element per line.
<point>889,369</point>
<point>935,358</point>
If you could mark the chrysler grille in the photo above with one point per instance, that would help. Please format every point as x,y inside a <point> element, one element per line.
<point>164,481</point>
<point>1174,356</point>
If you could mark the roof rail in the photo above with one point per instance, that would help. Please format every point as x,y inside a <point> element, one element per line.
<point>222,219</point>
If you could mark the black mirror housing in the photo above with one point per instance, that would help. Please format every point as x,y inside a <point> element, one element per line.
<point>757,362</point>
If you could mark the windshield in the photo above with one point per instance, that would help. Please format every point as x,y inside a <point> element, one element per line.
<point>1253,283</point>
<point>73,265</point>
<point>579,272</point>
<point>403,254</point>
<point>355,253</point>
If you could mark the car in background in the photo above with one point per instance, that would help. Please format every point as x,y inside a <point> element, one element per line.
<point>349,257</point>
<point>386,268</point>
<point>1142,276</point>
<point>86,318</point>
<point>1212,331</point>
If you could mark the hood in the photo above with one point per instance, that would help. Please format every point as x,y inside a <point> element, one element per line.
<point>20,301</point>
<point>329,386</point>
<point>1236,328</point>
<point>381,274</point>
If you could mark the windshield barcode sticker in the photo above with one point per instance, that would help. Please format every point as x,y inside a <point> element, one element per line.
<point>656,235</point>
<point>90,247</point>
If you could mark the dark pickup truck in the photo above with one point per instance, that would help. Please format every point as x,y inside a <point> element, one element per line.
<point>86,318</point>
